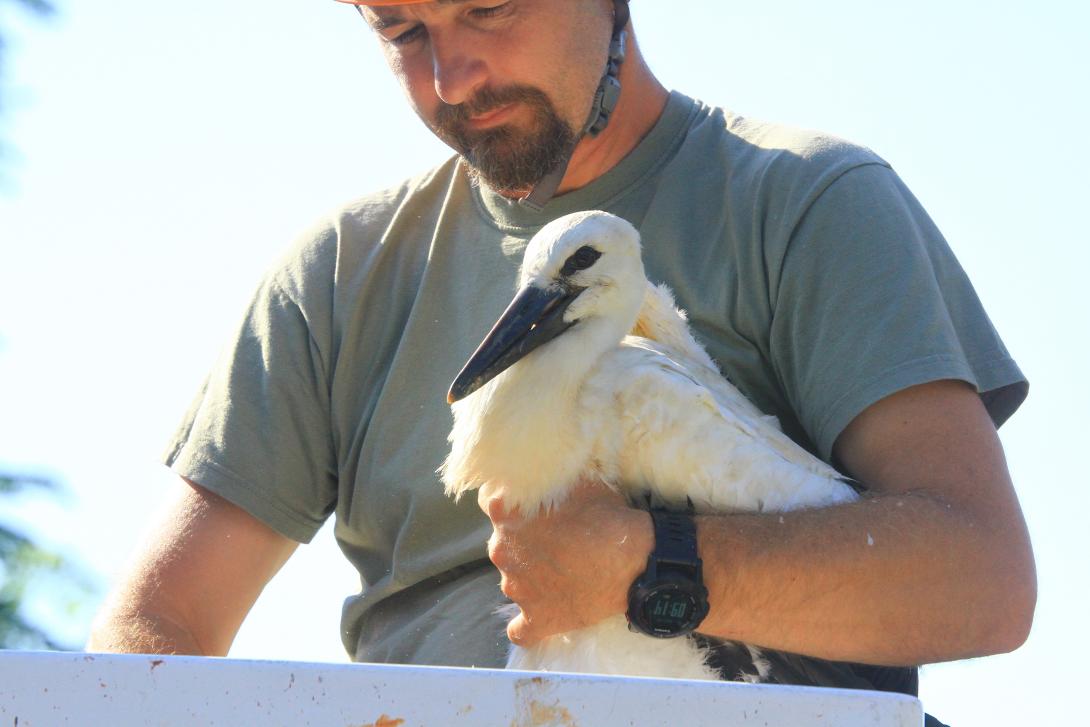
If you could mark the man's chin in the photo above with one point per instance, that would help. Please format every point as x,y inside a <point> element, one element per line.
<point>511,164</point>
<point>510,159</point>
<point>505,187</point>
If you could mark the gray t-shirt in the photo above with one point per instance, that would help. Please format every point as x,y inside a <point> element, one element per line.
<point>809,271</point>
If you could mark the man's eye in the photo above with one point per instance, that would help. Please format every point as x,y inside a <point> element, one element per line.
<point>489,12</point>
<point>414,33</point>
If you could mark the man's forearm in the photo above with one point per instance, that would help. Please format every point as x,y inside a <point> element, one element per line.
<point>193,581</point>
<point>142,633</point>
<point>935,565</point>
<point>897,580</point>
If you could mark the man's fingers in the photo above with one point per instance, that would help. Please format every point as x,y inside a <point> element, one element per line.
<point>515,588</point>
<point>587,491</point>
<point>515,627</point>
<point>521,632</point>
<point>491,505</point>
<point>552,579</point>
<point>495,508</point>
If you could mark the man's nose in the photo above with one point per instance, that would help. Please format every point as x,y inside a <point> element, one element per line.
<point>457,69</point>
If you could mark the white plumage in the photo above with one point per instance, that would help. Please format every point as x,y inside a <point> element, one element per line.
<point>592,373</point>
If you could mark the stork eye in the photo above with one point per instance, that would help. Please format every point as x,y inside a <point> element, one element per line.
<point>581,259</point>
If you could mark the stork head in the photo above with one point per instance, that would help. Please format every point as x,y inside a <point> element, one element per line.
<point>581,272</point>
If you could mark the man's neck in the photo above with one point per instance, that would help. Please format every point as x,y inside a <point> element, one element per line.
<point>641,104</point>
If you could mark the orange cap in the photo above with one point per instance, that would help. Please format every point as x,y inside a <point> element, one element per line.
<point>384,2</point>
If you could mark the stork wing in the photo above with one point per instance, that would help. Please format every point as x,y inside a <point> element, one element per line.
<point>686,433</point>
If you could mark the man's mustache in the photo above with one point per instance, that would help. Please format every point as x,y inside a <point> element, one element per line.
<point>453,118</point>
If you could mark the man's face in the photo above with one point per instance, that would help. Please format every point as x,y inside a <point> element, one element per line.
<point>508,84</point>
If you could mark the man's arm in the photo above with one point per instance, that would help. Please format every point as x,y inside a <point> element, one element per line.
<point>193,581</point>
<point>933,564</point>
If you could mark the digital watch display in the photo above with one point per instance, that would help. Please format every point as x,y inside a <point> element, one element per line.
<point>669,599</point>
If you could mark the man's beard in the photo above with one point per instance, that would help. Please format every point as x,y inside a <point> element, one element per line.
<point>507,158</point>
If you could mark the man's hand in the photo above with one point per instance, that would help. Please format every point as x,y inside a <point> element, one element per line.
<point>933,564</point>
<point>569,568</point>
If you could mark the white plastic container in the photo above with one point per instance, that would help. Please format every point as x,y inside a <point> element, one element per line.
<point>40,688</point>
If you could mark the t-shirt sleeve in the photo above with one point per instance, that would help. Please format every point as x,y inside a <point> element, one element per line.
<point>258,433</point>
<point>870,300</point>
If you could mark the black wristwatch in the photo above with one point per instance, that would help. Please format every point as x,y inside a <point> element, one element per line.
<point>669,599</point>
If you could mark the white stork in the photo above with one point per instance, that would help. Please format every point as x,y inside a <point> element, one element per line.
<point>592,374</point>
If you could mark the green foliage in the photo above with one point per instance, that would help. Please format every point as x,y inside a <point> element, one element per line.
<point>25,565</point>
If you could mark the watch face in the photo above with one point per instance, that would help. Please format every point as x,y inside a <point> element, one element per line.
<point>669,610</point>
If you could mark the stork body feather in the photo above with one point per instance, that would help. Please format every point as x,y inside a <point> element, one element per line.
<point>647,414</point>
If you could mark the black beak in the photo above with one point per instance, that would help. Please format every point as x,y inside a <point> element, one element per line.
<point>534,317</point>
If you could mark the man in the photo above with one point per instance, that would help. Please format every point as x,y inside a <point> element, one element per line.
<point>810,273</point>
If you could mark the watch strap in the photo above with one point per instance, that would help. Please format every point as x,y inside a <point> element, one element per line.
<point>675,539</point>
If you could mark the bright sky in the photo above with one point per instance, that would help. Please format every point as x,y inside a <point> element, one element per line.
<point>165,155</point>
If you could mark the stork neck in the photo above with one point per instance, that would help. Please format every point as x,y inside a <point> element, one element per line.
<point>548,380</point>
<point>531,412</point>
<point>558,368</point>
